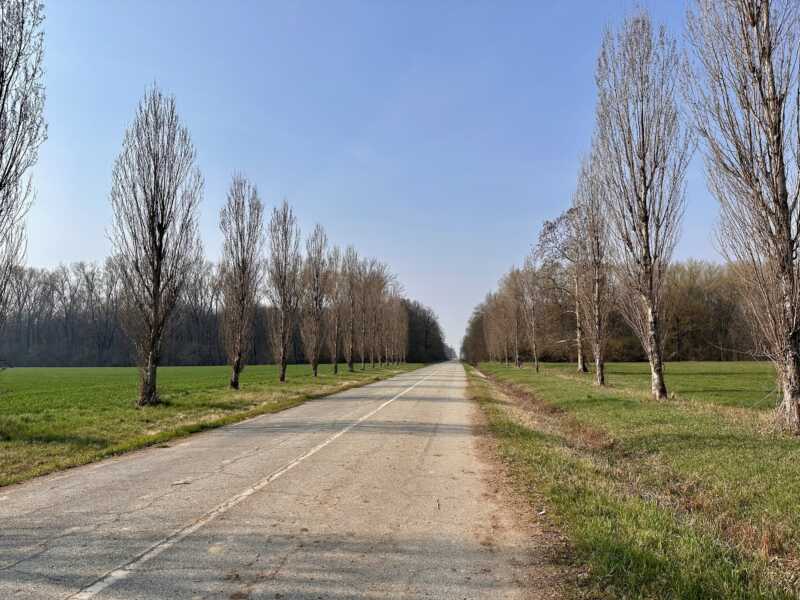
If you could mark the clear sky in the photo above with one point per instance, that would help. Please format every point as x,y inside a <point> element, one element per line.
<point>436,136</point>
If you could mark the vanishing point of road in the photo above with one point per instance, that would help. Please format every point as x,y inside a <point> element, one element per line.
<point>376,492</point>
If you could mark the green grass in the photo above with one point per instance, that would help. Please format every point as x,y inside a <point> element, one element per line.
<point>722,478</point>
<point>54,418</point>
<point>746,384</point>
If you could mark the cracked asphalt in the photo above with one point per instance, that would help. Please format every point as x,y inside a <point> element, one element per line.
<point>376,492</point>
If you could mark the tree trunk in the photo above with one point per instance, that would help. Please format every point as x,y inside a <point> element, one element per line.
<point>350,356</point>
<point>599,369</point>
<point>336,353</point>
<point>579,331</point>
<point>790,387</point>
<point>148,394</point>
<point>657,386</point>
<point>235,370</point>
<point>599,334</point>
<point>282,377</point>
<point>315,366</point>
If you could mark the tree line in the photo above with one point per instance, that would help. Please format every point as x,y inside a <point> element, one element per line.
<point>704,320</point>
<point>70,316</point>
<point>272,296</point>
<point>734,91</point>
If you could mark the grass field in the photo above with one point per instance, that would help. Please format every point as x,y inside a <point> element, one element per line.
<point>53,418</point>
<point>744,384</point>
<point>691,498</point>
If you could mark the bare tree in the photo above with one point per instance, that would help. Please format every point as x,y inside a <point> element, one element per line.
<point>316,296</point>
<point>241,221</point>
<point>336,291</point>
<point>531,284</point>
<point>558,242</point>
<point>362,307</point>
<point>22,127</point>
<point>395,322</point>
<point>645,150</point>
<point>351,269</point>
<point>284,280</point>
<point>745,98</point>
<point>497,327</point>
<point>592,225</point>
<point>155,192</point>
<point>376,281</point>
<point>198,307</point>
<point>512,298</point>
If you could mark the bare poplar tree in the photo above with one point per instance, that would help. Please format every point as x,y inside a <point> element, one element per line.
<point>512,297</point>
<point>530,281</point>
<point>336,291</point>
<point>22,127</point>
<point>396,324</point>
<point>155,192</point>
<point>376,281</point>
<point>351,268</point>
<point>645,150</point>
<point>315,296</point>
<point>241,222</point>
<point>284,280</point>
<point>558,242</point>
<point>745,97</point>
<point>362,308</point>
<point>592,225</point>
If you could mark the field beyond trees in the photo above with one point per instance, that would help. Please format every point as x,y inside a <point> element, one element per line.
<point>694,497</point>
<point>54,418</point>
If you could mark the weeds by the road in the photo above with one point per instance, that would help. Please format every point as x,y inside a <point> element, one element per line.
<point>54,418</point>
<point>661,500</point>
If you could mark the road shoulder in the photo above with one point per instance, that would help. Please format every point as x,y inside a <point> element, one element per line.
<point>543,563</point>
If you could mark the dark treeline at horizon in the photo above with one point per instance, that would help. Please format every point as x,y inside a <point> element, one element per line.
<point>704,320</point>
<point>69,316</point>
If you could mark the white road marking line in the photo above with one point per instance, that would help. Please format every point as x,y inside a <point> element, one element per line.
<point>178,535</point>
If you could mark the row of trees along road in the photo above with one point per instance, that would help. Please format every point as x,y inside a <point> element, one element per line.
<point>157,272</point>
<point>336,299</point>
<point>610,253</point>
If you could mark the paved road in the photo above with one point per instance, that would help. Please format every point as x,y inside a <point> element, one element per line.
<point>376,492</point>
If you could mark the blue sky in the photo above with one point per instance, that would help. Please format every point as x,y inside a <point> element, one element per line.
<point>436,136</point>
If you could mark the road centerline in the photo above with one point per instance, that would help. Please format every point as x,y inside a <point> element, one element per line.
<point>124,570</point>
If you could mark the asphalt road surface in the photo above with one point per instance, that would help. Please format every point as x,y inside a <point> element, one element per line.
<point>376,492</point>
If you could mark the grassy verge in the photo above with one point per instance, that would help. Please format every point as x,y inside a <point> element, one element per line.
<point>660,500</point>
<point>55,418</point>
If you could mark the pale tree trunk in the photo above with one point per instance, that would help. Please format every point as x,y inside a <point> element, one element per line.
<point>579,331</point>
<point>599,334</point>
<point>599,369</point>
<point>790,369</point>
<point>790,387</point>
<point>657,386</point>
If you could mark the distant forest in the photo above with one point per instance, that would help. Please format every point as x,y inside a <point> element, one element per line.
<point>704,319</point>
<point>70,316</point>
